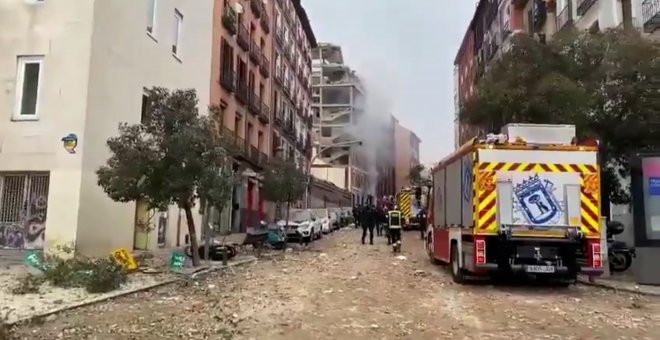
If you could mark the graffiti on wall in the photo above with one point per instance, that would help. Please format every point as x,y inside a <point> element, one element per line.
<point>29,231</point>
<point>23,208</point>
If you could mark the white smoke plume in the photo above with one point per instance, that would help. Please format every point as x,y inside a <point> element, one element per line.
<point>373,127</point>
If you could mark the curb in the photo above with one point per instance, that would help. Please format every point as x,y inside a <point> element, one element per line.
<point>118,294</point>
<point>585,282</point>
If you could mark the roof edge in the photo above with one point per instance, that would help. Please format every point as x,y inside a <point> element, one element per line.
<point>304,21</point>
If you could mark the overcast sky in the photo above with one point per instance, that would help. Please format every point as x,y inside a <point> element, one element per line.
<point>407,47</point>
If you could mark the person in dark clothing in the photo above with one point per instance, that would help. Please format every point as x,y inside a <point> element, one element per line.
<point>380,214</point>
<point>421,217</point>
<point>356,215</point>
<point>368,223</point>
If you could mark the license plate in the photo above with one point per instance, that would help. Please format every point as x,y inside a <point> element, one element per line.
<point>540,269</point>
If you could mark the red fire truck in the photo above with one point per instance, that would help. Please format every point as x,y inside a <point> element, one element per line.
<point>524,201</point>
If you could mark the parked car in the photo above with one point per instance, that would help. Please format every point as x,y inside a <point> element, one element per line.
<point>302,226</point>
<point>329,220</point>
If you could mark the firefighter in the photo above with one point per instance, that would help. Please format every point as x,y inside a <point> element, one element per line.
<point>394,222</point>
<point>368,220</point>
<point>421,218</point>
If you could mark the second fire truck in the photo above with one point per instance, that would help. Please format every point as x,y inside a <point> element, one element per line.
<point>523,201</point>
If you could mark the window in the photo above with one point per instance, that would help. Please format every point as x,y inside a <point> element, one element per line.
<point>248,134</point>
<point>146,107</point>
<point>326,132</point>
<point>28,79</point>
<point>237,124</point>
<point>151,19</point>
<point>260,140</point>
<point>178,17</point>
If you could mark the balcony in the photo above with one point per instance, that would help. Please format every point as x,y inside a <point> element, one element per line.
<point>300,145</point>
<point>243,38</point>
<point>255,53</point>
<point>279,79</point>
<point>264,113</point>
<point>564,18</point>
<point>651,15</point>
<point>278,118</point>
<point>255,104</point>
<point>279,36</point>
<point>265,22</point>
<point>583,6</point>
<point>264,66</point>
<point>288,129</point>
<point>230,20</point>
<point>228,79</point>
<point>256,7</point>
<point>242,93</point>
<point>253,155</point>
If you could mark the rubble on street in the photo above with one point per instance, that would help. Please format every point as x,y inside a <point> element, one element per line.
<point>338,288</point>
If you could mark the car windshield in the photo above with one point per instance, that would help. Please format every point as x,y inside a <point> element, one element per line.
<point>300,216</point>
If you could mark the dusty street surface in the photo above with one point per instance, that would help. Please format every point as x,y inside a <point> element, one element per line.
<point>340,289</point>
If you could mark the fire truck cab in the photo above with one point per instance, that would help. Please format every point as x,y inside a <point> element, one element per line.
<point>524,201</point>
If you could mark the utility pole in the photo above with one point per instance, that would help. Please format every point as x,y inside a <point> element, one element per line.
<point>626,12</point>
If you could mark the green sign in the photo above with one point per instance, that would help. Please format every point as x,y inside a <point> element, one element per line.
<point>177,261</point>
<point>34,260</point>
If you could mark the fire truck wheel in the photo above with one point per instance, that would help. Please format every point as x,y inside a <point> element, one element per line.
<point>457,273</point>
<point>429,249</point>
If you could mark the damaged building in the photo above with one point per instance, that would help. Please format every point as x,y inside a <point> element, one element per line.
<point>338,101</point>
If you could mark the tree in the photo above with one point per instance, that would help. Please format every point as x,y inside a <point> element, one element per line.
<point>284,182</point>
<point>605,83</point>
<point>417,175</point>
<point>174,157</point>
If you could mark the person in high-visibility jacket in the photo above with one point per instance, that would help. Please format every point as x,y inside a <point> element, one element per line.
<point>394,220</point>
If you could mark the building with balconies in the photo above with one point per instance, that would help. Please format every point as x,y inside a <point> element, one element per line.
<point>338,101</point>
<point>79,68</point>
<point>293,41</point>
<point>495,21</point>
<point>406,155</point>
<point>241,86</point>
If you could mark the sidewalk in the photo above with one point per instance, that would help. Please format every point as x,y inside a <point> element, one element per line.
<point>621,282</point>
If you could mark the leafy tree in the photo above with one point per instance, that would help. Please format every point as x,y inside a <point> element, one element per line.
<point>606,83</point>
<point>416,175</point>
<point>284,182</point>
<point>173,157</point>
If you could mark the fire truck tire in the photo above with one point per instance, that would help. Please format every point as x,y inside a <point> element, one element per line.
<point>457,273</point>
<point>429,249</point>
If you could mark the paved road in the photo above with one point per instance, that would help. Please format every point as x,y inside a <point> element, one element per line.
<point>339,289</point>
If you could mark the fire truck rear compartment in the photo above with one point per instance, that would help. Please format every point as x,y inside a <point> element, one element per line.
<point>533,256</point>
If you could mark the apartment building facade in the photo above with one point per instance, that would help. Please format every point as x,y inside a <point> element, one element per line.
<point>77,69</point>
<point>338,102</point>
<point>494,22</point>
<point>261,78</point>
<point>406,155</point>
<point>293,41</point>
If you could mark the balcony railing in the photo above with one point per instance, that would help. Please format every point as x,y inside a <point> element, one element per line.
<point>289,129</point>
<point>279,120</point>
<point>243,38</point>
<point>264,113</point>
<point>255,53</point>
<point>264,66</point>
<point>242,93</point>
<point>651,15</point>
<point>564,18</point>
<point>279,36</point>
<point>256,7</point>
<point>583,6</point>
<point>255,104</point>
<point>228,79</point>
<point>279,79</point>
<point>265,22</point>
<point>230,20</point>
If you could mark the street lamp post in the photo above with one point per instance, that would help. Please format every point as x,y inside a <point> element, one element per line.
<point>308,169</point>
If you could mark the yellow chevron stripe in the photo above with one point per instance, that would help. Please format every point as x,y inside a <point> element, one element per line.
<point>483,225</point>
<point>405,204</point>
<point>589,207</point>
<point>583,168</point>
